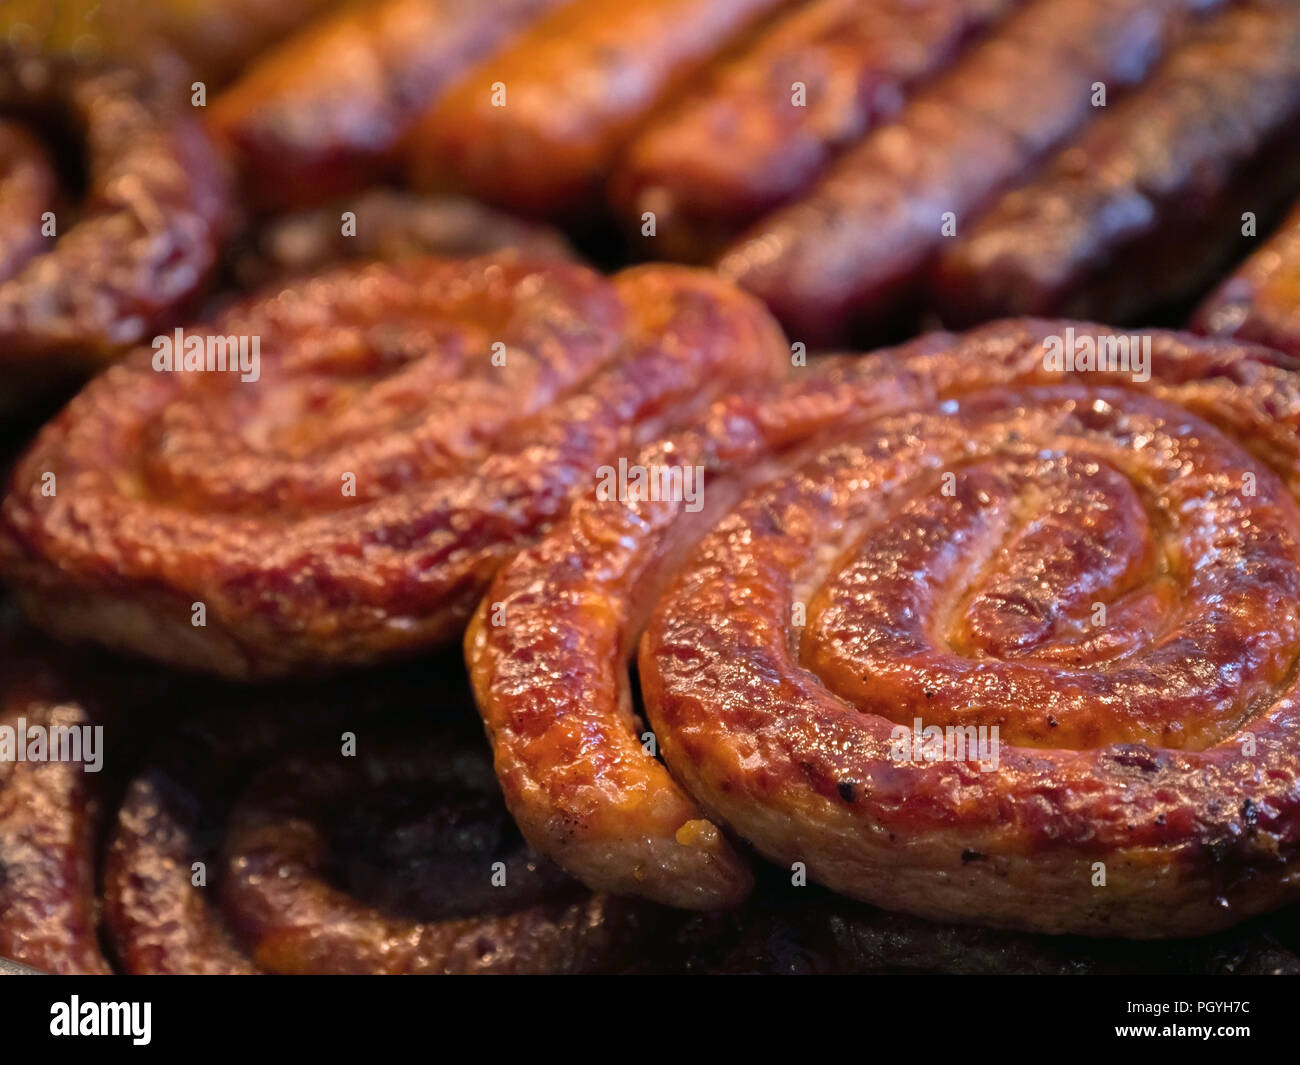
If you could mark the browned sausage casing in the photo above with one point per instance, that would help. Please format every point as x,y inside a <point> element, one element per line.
<point>741,146</point>
<point>323,114</point>
<point>537,127</point>
<point>49,811</point>
<point>851,252</point>
<point>347,497</point>
<point>87,280</point>
<point>1145,208</point>
<point>65,750</point>
<point>876,649</point>
<point>397,857</point>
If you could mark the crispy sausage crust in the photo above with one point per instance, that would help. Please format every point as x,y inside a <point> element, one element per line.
<point>48,814</point>
<point>1160,742</point>
<point>849,255</point>
<point>354,500</point>
<point>1144,209</point>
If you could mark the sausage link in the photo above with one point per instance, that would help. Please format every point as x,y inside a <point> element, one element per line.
<point>909,548</point>
<point>319,862</point>
<point>743,146</point>
<point>137,254</point>
<point>537,127</point>
<point>323,114</point>
<point>1144,209</point>
<point>389,434</point>
<point>852,252</point>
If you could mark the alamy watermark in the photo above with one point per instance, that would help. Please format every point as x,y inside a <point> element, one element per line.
<point>130,1019</point>
<point>21,742</point>
<point>656,484</point>
<point>202,353</point>
<point>955,743</point>
<point>1105,353</point>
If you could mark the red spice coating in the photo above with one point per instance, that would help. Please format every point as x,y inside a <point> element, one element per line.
<point>1161,741</point>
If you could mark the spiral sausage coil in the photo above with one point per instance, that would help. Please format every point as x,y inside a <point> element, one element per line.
<point>254,837</point>
<point>346,499</point>
<point>249,843</point>
<point>1084,582</point>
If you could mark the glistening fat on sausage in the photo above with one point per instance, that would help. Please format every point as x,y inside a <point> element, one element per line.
<point>391,434</point>
<point>876,650</point>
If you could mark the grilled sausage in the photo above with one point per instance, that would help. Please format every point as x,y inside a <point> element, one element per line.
<point>1144,209</point>
<point>88,280</point>
<point>331,470</point>
<point>743,146</point>
<point>851,253</point>
<point>875,650</point>
<point>537,127</point>
<point>313,862</point>
<point>49,810</point>
<point>324,113</point>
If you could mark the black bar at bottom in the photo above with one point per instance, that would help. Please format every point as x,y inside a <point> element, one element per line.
<point>543,1015</point>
